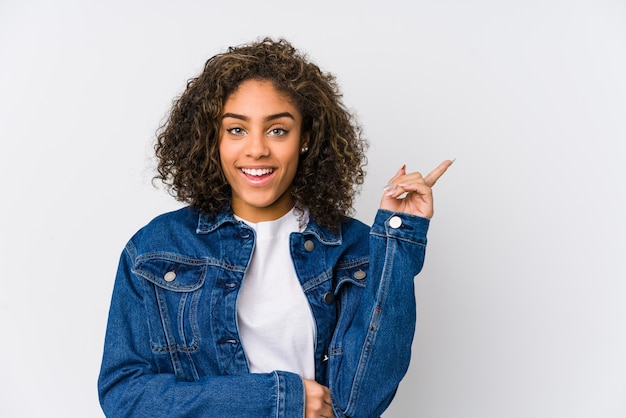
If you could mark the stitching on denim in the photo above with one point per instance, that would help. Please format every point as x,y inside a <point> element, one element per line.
<point>373,328</point>
<point>346,265</point>
<point>131,250</point>
<point>193,319</point>
<point>277,394</point>
<point>328,275</point>
<point>192,366</point>
<point>399,238</point>
<point>165,349</point>
<point>167,328</point>
<point>164,317</point>
<point>181,318</point>
<point>323,277</point>
<point>192,315</point>
<point>208,261</point>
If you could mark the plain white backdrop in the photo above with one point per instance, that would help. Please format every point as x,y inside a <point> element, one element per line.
<point>522,302</point>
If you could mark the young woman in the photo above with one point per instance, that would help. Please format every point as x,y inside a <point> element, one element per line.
<point>262,297</point>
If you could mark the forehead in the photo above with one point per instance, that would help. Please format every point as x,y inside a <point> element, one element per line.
<point>255,96</point>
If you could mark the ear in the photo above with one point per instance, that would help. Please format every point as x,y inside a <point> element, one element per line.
<point>304,143</point>
<point>304,139</point>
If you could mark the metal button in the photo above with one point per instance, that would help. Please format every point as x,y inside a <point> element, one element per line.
<point>309,245</point>
<point>360,275</point>
<point>395,222</point>
<point>170,276</point>
<point>329,298</point>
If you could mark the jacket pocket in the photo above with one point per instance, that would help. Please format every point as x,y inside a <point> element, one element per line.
<point>173,287</point>
<point>354,273</point>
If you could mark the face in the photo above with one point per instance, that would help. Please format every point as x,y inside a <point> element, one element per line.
<point>259,144</point>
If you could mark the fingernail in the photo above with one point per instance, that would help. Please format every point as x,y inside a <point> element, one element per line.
<point>403,168</point>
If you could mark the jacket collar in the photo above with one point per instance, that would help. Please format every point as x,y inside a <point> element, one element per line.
<point>207,224</point>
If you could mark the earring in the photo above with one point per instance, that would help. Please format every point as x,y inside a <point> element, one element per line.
<point>303,150</point>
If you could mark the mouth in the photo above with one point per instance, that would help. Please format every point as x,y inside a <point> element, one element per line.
<point>257,172</point>
<point>258,177</point>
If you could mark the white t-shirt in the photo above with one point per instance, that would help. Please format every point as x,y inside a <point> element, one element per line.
<point>275,321</point>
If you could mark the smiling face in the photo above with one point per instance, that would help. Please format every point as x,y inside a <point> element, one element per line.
<point>259,144</point>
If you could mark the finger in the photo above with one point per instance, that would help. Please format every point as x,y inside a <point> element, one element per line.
<point>434,175</point>
<point>390,186</point>
<point>327,410</point>
<point>400,172</point>
<point>404,184</point>
<point>327,401</point>
<point>418,187</point>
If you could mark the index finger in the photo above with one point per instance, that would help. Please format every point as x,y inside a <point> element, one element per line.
<point>432,177</point>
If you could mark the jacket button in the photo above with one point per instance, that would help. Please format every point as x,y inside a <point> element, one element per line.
<point>170,276</point>
<point>309,245</point>
<point>395,222</point>
<point>329,298</point>
<point>360,275</point>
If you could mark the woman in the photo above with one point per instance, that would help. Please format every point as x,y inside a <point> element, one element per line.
<point>263,297</point>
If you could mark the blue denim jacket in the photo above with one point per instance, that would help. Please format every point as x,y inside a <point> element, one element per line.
<point>172,346</point>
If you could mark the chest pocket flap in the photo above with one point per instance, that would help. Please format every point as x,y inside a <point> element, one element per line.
<point>355,274</point>
<point>175,273</point>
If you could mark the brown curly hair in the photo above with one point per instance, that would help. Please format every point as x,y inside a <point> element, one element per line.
<point>328,176</point>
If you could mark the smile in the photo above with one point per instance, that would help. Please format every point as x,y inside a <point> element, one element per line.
<point>257,172</point>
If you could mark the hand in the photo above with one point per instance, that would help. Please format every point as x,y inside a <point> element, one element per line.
<point>317,400</point>
<point>419,196</point>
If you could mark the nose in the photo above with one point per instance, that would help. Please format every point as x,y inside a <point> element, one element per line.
<point>256,145</point>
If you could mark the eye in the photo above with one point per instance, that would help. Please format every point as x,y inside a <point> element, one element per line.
<point>236,131</point>
<point>277,132</point>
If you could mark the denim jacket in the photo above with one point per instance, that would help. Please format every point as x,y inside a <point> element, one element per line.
<point>172,347</point>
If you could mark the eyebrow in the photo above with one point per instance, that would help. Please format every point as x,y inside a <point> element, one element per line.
<point>265,119</point>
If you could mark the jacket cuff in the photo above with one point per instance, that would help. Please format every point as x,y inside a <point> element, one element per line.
<point>291,396</point>
<point>401,226</point>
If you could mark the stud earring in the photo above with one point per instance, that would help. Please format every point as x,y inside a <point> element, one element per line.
<point>303,150</point>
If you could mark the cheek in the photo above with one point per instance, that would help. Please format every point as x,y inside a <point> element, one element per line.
<point>225,154</point>
<point>292,158</point>
<point>292,168</point>
<point>225,165</point>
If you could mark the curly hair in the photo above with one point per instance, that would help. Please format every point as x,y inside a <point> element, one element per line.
<point>328,176</point>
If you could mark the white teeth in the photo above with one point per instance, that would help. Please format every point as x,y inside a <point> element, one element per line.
<point>257,171</point>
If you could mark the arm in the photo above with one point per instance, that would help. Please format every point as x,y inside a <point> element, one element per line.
<point>373,355</point>
<point>130,384</point>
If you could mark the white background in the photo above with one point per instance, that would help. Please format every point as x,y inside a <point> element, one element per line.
<point>522,302</point>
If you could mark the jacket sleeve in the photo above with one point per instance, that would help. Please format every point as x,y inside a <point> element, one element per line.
<point>370,356</point>
<point>130,386</point>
